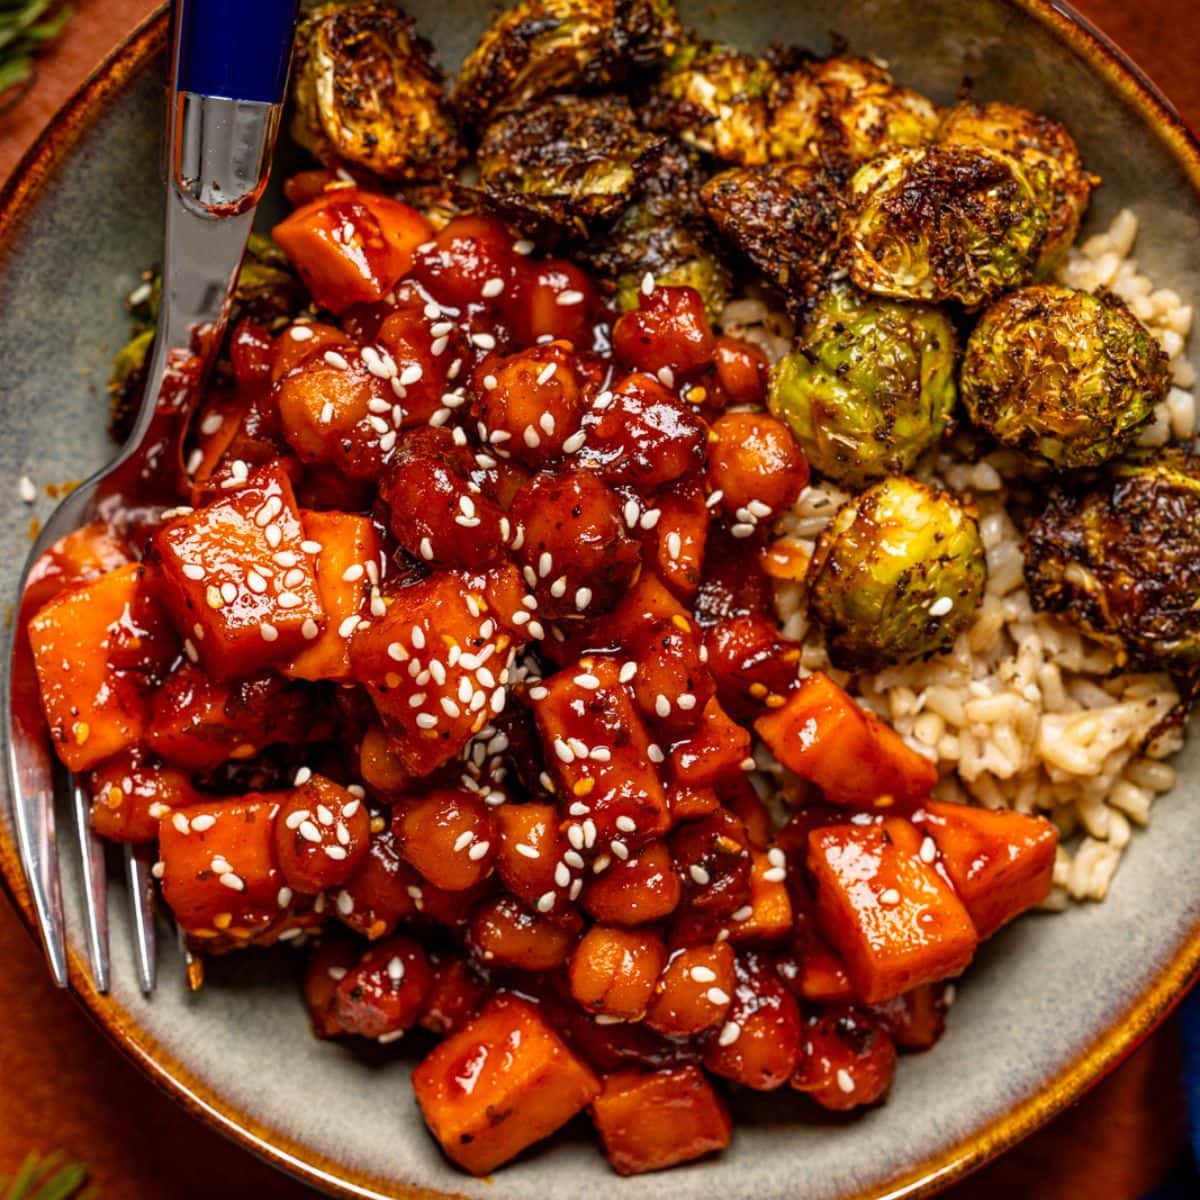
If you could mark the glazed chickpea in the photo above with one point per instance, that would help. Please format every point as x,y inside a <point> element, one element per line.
<point>668,332</point>
<point>694,991</point>
<point>847,1058</point>
<point>712,857</point>
<point>672,685</point>
<point>448,835</point>
<point>385,992</point>
<point>531,847</point>
<point>756,465</point>
<point>636,891</point>
<point>321,835</point>
<point>532,399</point>
<point>742,370</point>
<point>504,933</point>
<point>614,971</point>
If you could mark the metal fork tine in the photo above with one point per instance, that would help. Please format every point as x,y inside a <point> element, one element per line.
<point>95,886</point>
<point>34,820</point>
<point>141,912</point>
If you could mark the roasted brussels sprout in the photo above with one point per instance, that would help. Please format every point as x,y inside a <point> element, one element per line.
<point>1120,559</point>
<point>1065,377</point>
<point>662,232</point>
<point>540,47</point>
<point>1046,152</point>
<point>784,217</point>
<point>943,223</point>
<point>365,92</point>
<point>268,290</point>
<point>898,574</point>
<point>714,98</point>
<point>844,111</point>
<point>566,163</point>
<point>127,382</point>
<point>869,386</point>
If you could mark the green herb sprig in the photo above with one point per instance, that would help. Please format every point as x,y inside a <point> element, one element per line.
<point>27,27</point>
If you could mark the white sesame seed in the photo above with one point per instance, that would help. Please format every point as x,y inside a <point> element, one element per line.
<point>395,969</point>
<point>309,832</point>
<point>411,374</point>
<point>744,913</point>
<point>742,530</point>
<point>699,874</point>
<point>590,682</point>
<point>418,637</point>
<point>525,851</point>
<point>647,283</point>
<point>714,498</point>
<point>334,359</point>
<point>337,853</point>
<point>650,518</point>
<point>345,903</point>
<point>229,593</point>
<point>283,897</point>
<point>666,377</point>
<point>568,298</point>
<point>941,606</point>
<point>662,706</point>
<point>300,333</point>
<point>538,693</point>
<point>203,821</point>
<point>491,287</point>
<point>730,1032</point>
<point>523,247</point>
<point>845,1080</point>
<point>759,509</point>
<point>574,443</point>
<point>716,995</point>
<point>181,823</point>
<point>702,974</point>
<point>889,896</point>
<point>545,902</point>
<point>686,701</point>
<point>928,850</point>
<point>655,753</point>
<point>267,631</point>
<point>234,882</point>
<point>484,341</point>
<point>193,571</point>
<point>776,857</point>
<point>426,720</point>
<point>774,875</point>
<point>562,876</point>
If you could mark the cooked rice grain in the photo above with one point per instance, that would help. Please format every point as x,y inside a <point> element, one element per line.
<point>1024,711</point>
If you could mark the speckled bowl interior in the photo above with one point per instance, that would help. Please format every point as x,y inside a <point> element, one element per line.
<point>1049,1003</point>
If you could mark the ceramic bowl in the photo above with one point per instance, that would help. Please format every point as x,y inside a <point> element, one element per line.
<point>1051,1004</point>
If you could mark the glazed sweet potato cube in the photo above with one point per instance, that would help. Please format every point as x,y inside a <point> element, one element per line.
<point>848,1058</point>
<point>430,711</point>
<point>849,753</point>
<point>598,747</point>
<point>714,751</point>
<point>132,791</point>
<point>676,543</point>
<point>1001,863</point>
<point>645,603</point>
<point>220,872</point>
<point>895,922</point>
<point>384,993</point>
<point>766,915</point>
<point>759,1044</point>
<point>86,553</point>
<point>227,586</point>
<point>694,991</point>
<point>322,832</point>
<point>822,976</point>
<point>347,567</point>
<point>648,1121</point>
<point>96,648</point>
<point>351,246</point>
<point>199,723</point>
<point>505,933</point>
<point>614,971</point>
<point>500,1084</point>
<point>448,835</point>
<point>636,890</point>
<point>688,803</point>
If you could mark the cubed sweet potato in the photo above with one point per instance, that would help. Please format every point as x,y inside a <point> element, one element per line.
<point>650,1120</point>
<point>97,647</point>
<point>500,1084</point>
<point>239,583</point>
<point>892,918</point>
<point>714,751</point>
<point>849,753</point>
<point>442,620</point>
<point>598,746</point>
<point>1001,863</point>
<point>347,567</point>
<point>676,543</point>
<point>220,872</point>
<point>766,915</point>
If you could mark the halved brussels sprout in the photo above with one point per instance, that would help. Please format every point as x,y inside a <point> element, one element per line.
<point>127,382</point>
<point>1047,154</point>
<point>365,93</point>
<point>784,217</point>
<point>844,111</point>
<point>540,47</point>
<point>662,232</point>
<point>943,223</point>
<point>869,386</point>
<point>566,163</point>
<point>1065,377</point>
<point>1119,559</point>
<point>898,574</point>
<point>714,97</point>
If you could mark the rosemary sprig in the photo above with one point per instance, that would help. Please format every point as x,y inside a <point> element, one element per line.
<point>26,28</point>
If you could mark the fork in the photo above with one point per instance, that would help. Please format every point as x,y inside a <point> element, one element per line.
<point>228,71</point>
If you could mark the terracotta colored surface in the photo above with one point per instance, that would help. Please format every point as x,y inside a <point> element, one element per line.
<point>64,1087</point>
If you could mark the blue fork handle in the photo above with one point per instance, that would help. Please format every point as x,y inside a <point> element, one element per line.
<point>235,49</point>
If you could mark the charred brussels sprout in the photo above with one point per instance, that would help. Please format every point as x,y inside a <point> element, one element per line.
<point>944,223</point>
<point>844,111</point>
<point>365,92</point>
<point>898,574</point>
<point>716,99</point>
<point>127,382</point>
<point>1065,377</point>
<point>540,47</point>
<point>567,163</point>
<point>869,386</point>
<point>784,217</point>
<point>1120,560</point>
<point>662,232</point>
<point>1047,154</point>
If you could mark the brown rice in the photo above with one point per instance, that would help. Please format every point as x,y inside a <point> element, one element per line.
<point>1024,711</point>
